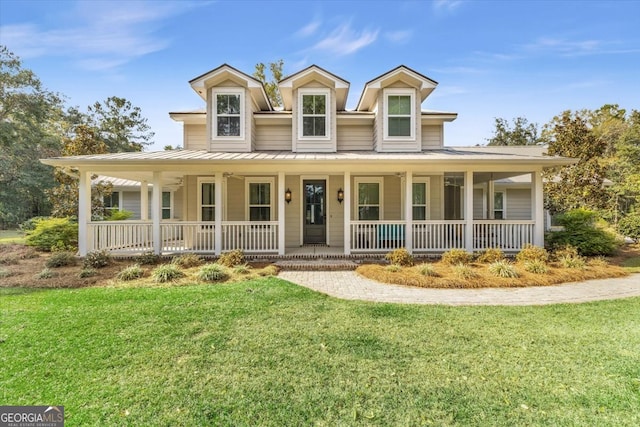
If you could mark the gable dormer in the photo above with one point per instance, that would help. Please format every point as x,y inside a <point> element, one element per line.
<point>396,98</point>
<point>232,97</point>
<point>314,96</point>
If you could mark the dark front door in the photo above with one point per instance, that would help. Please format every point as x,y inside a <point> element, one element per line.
<point>315,229</point>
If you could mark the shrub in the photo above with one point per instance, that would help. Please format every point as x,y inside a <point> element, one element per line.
<point>457,256</point>
<point>119,215</point>
<point>232,258</point>
<point>53,232</point>
<point>490,255</point>
<point>45,274</point>
<point>581,231</point>
<point>242,269</point>
<point>598,262</point>
<point>87,272</point>
<point>400,257</point>
<point>60,259</point>
<point>532,253</point>
<point>166,273</point>
<point>536,266</point>
<point>97,259</point>
<point>213,273</point>
<point>270,270</point>
<point>503,269</point>
<point>629,226</point>
<point>130,273</point>
<point>576,262</point>
<point>30,224</point>
<point>566,251</point>
<point>464,271</point>
<point>393,268</point>
<point>187,260</point>
<point>148,258</point>
<point>428,270</point>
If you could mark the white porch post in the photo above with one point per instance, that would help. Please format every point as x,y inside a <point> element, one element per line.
<point>281,213</point>
<point>217,236</point>
<point>468,210</point>
<point>156,208</point>
<point>491,199</point>
<point>538,208</point>
<point>84,212</point>
<point>347,212</point>
<point>408,210</point>
<point>144,200</point>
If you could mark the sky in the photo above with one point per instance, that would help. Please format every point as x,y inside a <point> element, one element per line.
<point>505,59</point>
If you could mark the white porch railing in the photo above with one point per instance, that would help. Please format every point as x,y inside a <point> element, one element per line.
<point>502,234</point>
<point>438,236</point>
<point>188,236</point>
<point>120,236</point>
<point>377,236</point>
<point>250,236</point>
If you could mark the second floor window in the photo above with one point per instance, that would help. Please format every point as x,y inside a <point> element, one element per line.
<point>399,121</point>
<point>314,115</point>
<point>228,117</point>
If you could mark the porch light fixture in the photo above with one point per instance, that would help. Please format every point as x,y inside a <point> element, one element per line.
<point>287,196</point>
<point>340,195</point>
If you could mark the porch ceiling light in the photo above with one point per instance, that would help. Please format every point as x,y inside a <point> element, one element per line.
<point>340,195</point>
<point>287,196</point>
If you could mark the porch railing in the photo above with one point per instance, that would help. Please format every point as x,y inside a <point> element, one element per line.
<point>120,236</point>
<point>502,234</point>
<point>438,236</point>
<point>250,236</point>
<point>377,236</point>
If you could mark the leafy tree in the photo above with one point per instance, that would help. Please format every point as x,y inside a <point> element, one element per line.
<point>120,125</point>
<point>271,86</point>
<point>522,133</point>
<point>29,116</point>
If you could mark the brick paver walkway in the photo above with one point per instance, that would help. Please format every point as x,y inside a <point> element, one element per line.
<point>350,285</point>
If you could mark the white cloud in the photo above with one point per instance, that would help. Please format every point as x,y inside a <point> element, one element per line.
<point>446,5</point>
<point>401,36</point>
<point>309,29</point>
<point>555,45</point>
<point>344,40</point>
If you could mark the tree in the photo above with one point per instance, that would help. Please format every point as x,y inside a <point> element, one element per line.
<point>120,125</point>
<point>271,86</point>
<point>522,133</point>
<point>29,117</point>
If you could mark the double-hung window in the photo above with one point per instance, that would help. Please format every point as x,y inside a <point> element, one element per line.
<point>314,116</point>
<point>369,199</point>
<point>399,122</point>
<point>420,199</point>
<point>111,202</point>
<point>499,205</point>
<point>260,199</point>
<point>228,113</point>
<point>207,211</point>
<point>167,206</point>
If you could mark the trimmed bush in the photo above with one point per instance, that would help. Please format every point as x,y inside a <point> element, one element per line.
<point>567,251</point>
<point>581,231</point>
<point>30,224</point>
<point>166,273</point>
<point>232,258</point>
<point>131,272</point>
<point>213,273</point>
<point>629,226</point>
<point>53,233</point>
<point>188,260</point>
<point>456,256</point>
<point>536,266</point>
<point>60,259</point>
<point>598,262</point>
<point>490,255</point>
<point>119,215</point>
<point>45,274</point>
<point>87,272</point>
<point>464,271</point>
<point>532,253</point>
<point>576,262</point>
<point>96,259</point>
<point>428,270</point>
<point>148,258</point>
<point>400,257</point>
<point>503,269</point>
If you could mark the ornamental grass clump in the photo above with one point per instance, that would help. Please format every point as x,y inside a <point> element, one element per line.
<point>45,273</point>
<point>532,253</point>
<point>269,270</point>
<point>393,268</point>
<point>490,255</point>
<point>60,259</point>
<point>166,273</point>
<point>536,266</point>
<point>576,262</point>
<point>503,269</point>
<point>188,260</point>
<point>232,258</point>
<point>464,271</point>
<point>428,270</point>
<point>242,269</point>
<point>97,259</point>
<point>213,273</point>
<point>456,257</point>
<point>131,272</point>
<point>400,257</point>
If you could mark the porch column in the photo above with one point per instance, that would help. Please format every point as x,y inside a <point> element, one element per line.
<point>84,212</point>
<point>217,236</point>
<point>281,213</point>
<point>156,209</point>
<point>144,200</point>
<point>408,210</point>
<point>491,189</point>
<point>347,212</point>
<point>468,210</point>
<point>537,208</point>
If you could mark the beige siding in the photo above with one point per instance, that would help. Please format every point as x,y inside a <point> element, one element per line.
<point>131,203</point>
<point>478,203</point>
<point>292,212</point>
<point>273,137</point>
<point>177,203</point>
<point>518,203</point>
<point>195,137</point>
<point>235,198</point>
<point>435,197</point>
<point>355,137</point>
<point>191,188</point>
<point>335,234</point>
<point>392,198</point>
<point>432,137</point>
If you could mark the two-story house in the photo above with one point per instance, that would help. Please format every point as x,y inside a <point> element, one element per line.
<point>316,175</point>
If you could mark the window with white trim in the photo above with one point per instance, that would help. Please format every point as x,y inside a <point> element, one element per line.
<point>499,205</point>
<point>228,113</point>
<point>111,202</point>
<point>207,200</point>
<point>369,199</point>
<point>399,114</point>
<point>420,199</point>
<point>260,199</point>
<point>167,205</point>
<point>314,114</point>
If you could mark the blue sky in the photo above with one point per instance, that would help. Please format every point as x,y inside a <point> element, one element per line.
<point>491,59</point>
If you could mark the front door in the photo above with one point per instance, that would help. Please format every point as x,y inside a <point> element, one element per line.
<point>315,229</point>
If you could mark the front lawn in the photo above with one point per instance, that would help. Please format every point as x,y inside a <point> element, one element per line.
<point>265,352</point>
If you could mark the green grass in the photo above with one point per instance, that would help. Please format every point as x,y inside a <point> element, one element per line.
<point>11,236</point>
<point>266,352</point>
